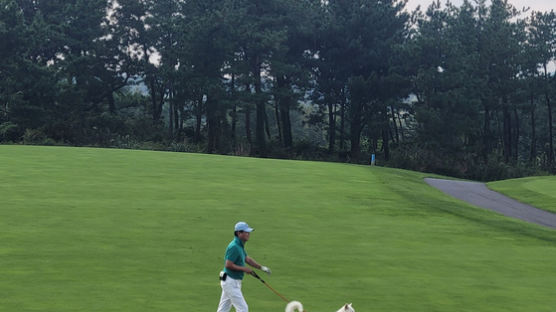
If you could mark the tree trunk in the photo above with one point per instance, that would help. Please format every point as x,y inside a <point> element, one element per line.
<point>550,134</point>
<point>283,100</point>
<point>199,117</point>
<point>342,122</point>
<point>234,123</point>
<point>533,155</point>
<point>177,119</point>
<point>160,104</point>
<point>286,123</point>
<point>176,114</point>
<point>507,133</point>
<point>401,125</point>
<point>355,133</point>
<point>171,117</point>
<point>111,104</point>
<point>182,115</point>
<point>234,112</point>
<point>278,99</point>
<point>331,125</point>
<point>395,124</point>
<point>153,98</point>
<point>516,135</point>
<point>248,118</point>
<point>549,108</point>
<point>267,125</point>
<point>157,98</point>
<point>386,140</point>
<point>260,143</point>
<point>278,123</point>
<point>212,125</point>
<point>486,135</point>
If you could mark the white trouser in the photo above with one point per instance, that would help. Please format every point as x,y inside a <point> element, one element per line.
<point>232,296</point>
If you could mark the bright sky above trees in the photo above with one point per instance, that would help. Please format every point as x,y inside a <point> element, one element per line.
<point>537,5</point>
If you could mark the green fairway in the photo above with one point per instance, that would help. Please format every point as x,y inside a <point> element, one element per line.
<point>118,230</point>
<point>537,191</point>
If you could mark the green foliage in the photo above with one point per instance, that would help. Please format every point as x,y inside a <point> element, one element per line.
<point>186,148</point>
<point>462,165</point>
<point>37,137</point>
<point>9,132</point>
<point>471,106</point>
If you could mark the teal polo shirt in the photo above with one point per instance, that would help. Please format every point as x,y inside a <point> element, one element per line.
<point>235,253</point>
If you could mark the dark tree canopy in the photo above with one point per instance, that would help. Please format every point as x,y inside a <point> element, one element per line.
<point>461,90</point>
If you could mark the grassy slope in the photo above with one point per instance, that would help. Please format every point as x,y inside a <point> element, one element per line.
<point>116,230</point>
<point>537,191</point>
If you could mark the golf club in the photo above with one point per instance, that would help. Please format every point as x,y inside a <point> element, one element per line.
<point>266,284</point>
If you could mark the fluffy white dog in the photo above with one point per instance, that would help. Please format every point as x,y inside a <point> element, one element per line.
<point>297,306</point>
<point>346,308</point>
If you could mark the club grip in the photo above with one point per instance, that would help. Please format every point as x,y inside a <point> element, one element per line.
<point>257,276</point>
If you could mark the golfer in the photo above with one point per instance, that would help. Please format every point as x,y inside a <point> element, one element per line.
<point>234,269</point>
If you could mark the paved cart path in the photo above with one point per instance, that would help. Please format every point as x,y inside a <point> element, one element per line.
<point>478,194</point>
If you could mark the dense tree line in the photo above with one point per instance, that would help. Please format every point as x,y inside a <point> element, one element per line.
<point>466,91</point>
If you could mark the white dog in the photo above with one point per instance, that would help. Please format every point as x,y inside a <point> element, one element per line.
<point>297,306</point>
<point>346,308</point>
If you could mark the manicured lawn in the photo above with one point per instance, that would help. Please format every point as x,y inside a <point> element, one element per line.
<point>117,230</point>
<point>536,191</point>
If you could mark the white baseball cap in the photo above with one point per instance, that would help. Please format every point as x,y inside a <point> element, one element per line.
<point>242,226</point>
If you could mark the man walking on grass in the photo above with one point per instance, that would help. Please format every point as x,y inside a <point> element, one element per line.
<point>234,270</point>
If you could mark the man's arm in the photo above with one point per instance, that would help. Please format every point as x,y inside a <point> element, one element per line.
<point>254,264</point>
<point>232,266</point>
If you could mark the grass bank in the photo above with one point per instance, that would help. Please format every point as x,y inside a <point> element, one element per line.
<point>537,191</point>
<point>119,230</point>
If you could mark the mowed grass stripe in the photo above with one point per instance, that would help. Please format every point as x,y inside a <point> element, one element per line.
<point>118,230</point>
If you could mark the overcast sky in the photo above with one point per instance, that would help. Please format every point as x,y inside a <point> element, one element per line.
<point>537,5</point>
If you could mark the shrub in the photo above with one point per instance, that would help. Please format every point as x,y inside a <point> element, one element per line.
<point>9,132</point>
<point>37,137</point>
<point>186,147</point>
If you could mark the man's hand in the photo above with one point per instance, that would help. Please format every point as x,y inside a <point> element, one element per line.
<point>247,270</point>
<point>266,270</point>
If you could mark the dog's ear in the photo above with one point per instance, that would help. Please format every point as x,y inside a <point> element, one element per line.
<point>346,306</point>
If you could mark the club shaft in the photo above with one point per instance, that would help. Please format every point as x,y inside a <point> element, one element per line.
<point>274,291</point>
<point>283,298</point>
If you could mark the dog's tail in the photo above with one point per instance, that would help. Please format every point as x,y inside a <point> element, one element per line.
<point>294,306</point>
